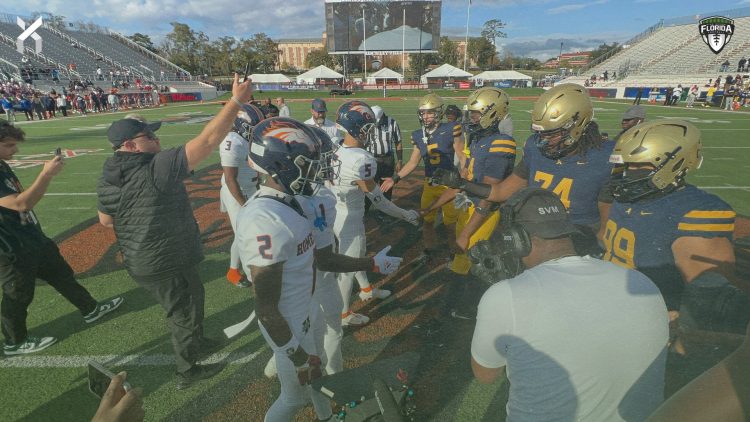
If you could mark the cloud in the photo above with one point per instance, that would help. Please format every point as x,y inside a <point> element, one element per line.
<point>543,48</point>
<point>572,7</point>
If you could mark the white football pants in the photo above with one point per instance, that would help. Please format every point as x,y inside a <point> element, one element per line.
<point>327,324</point>
<point>349,230</point>
<point>230,205</point>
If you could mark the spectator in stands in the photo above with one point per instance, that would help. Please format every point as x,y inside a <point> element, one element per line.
<point>725,66</point>
<point>283,108</point>
<point>741,64</point>
<point>605,75</point>
<point>55,75</point>
<point>99,75</point>
<point>692,95</point>
<point>161,75</point>
<point>718,81</point>
<point>614,75</point>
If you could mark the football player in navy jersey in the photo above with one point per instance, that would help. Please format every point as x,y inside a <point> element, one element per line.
<point>565,154</point>
<point>491,158</point>
<point>435,143</point>
<point>675,233</point>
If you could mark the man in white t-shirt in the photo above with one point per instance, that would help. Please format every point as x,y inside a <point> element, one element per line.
<point>238,181</point>
<point>354,181</point>
<point>319,120</point>
<point>581,339</point>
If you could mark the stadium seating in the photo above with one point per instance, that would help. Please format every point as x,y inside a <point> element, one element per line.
<point>670,54</point>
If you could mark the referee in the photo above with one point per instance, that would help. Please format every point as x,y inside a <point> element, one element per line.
<point>386,148</point>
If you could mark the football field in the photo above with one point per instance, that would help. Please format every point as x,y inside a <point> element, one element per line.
<point>52,384</point>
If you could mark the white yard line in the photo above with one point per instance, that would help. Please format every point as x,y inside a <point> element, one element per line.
<point>232,358</point>
<point>70,194</point>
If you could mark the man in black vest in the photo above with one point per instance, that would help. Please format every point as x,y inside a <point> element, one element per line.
<point>142,196</point>
<point>26,253</point>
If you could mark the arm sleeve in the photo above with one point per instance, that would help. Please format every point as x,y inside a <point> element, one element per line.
<point>500,159</point>
<point>263,241</point>
<point>170,166</point>
<point>383,204</point>
<point>714,219</point>
<point>325,216</point>
<point>495,327</point>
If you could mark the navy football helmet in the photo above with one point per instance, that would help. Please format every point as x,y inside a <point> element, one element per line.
<point>329,165</point>
<point>247,118</point>
<point>358,119</point>
<point>289,152</point>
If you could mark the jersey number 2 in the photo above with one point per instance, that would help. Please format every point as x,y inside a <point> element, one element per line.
<point>265,246</point>
<point>562,189</point>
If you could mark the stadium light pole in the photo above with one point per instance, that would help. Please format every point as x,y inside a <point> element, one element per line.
<point>403,45</point>
<point>364,41</point>
<point>559,57</point>
<point>466,45</point>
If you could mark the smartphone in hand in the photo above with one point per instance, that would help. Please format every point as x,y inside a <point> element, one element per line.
<point>247,72</point>
<point>99,379</point>
<point>58,151</point>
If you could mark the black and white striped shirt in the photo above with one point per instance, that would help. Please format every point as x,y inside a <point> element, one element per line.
<point>386,139</point>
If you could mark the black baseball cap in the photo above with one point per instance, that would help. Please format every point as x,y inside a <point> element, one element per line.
<point>634,112</point>
<point>125,129</point>
<point>319,105</point>
<point>542,214</point>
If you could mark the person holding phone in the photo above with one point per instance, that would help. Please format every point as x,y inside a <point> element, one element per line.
<point>120,404</point>
<point>26,253</point>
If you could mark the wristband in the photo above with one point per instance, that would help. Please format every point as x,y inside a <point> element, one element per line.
<point>396,178</point>
<point>236,101</point>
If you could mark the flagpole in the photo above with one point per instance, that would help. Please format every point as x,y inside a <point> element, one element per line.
<point>364,41</point>
<point>466,46</point>
<point>403,45</point>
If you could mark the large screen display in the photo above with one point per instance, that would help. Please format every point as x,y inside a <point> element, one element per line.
<point>382,27</point>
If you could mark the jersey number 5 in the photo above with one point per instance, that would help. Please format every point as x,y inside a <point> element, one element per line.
<point>562,189</point>
<point>434,156</point>
<point>265,246</point>
<point>620,245</point>
<point>368,170</point>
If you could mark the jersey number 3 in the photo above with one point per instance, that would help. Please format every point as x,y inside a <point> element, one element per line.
<point>562,189</point>
<point>265,246</point>
<point>620,245</point>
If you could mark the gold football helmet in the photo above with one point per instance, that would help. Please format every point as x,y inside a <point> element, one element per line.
<point>492,103</point>
<point>431,102</point>
<point>559,118</point>
<point>667,150</point>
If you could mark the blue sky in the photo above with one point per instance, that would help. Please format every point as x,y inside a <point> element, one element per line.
<point>534,27</point>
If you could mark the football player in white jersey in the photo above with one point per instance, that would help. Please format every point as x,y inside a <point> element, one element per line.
<point>353,182</point>
<point>277,244</point>
<point>320,210</point>
<point>238,181</point>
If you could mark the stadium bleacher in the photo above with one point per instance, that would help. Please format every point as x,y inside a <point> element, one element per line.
<point>672,52</point>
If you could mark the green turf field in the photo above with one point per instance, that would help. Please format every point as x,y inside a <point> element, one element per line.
<point>51,385</point>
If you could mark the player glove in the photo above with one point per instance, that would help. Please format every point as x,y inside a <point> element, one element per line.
<point>412,217</point>
<point>385,264</point>
<point>453,179</point>
<point>310,370</point>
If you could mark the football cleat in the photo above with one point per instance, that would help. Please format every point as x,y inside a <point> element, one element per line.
<point>353,319</point>
<point>374,293</point>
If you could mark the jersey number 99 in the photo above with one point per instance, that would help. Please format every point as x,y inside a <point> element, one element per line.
<point>620,245</point>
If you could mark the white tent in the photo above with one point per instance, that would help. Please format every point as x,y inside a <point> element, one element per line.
<point>386,74</point>
<point>320,72</point>
<point>501,75</point>
<point>445,71</point>
<point>269,78</point>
